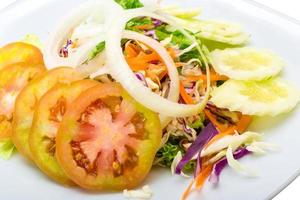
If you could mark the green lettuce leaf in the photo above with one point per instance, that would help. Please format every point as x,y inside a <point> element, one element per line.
<point>167,153</point>
<point>129,4</point>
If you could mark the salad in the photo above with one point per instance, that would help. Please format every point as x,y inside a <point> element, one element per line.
<point>107,97</point>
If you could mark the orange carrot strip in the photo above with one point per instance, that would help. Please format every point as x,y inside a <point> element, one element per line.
<point>145,26</point>
<point>130,51</point>
<point>229,131</point>
<point>244,123</point>
<point>172,52</point>
<point>213,77</point>
<point>163,74</point>
<point>203,175</point>
<point>199,180</point>
<point>240,127</point>
<point>185,96</point>
<point>136,65</point>
<point>221,127</point>
<point>188,190</point>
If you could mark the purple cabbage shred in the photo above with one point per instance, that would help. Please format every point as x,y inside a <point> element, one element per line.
<point>221,164</point>
<point>64,51</point>
<point>204,136</point>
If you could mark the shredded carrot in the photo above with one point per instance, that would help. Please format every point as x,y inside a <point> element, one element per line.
<point>203,175</point>
<point>138,60</point>
<point>144,27</point>
<point>241,126</point>
<point>229,131</point>
<point>172,52</point>
<point>185,96</point>
<point>244,123</point>
<point>213,78</point>
<point>220,126</point>
<point>188,190</point>
<point>198,181</point>
<point>141,61</point>
<point>163,74</point>
<point>130,51</point>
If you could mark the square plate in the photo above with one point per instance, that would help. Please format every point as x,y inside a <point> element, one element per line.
<point>20,179</point>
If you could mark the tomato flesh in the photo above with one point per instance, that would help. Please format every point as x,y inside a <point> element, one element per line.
<point>20,52</point>
<point>108,141</point>
<point>27,100</point>
<point>48,115</point>
<point>13,79</point>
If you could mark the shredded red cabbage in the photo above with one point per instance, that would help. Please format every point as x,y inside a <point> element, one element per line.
<point>186,129</point>
<point>204,136</point>
<point>64,51</point>
<point>142,78</point>
<point>151,33</point>
<point>156,22</point>
<point>221,164</point>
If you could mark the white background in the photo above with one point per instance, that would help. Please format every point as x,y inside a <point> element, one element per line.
<point>287,7</point>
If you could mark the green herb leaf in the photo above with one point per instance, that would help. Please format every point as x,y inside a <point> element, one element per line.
<point>6,148</point>
<point>177,37</point>
<point>138,22</point>
<point>197,124</point>
<point>129,4</point>
<point>167,153</point>
<point>95,52</point>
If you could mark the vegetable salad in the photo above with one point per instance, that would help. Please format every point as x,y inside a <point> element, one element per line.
<point>144,87</point>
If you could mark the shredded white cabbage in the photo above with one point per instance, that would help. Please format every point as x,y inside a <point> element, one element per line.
<point>232,162</point>
<point>174,164</point>
<point>261,147</point>
<point>238,140</point>
<point>144,193</point>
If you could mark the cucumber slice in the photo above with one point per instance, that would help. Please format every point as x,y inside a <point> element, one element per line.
<point>179,12</point>
<point>267,97</point>
<point>224,32</point>
<point>246,63</point>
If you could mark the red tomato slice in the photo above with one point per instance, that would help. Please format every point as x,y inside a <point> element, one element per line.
<point>48,115</point>
<point>20,52</point>
<point>13,79</point>
<point>107,141</point>
<point>27,100</point>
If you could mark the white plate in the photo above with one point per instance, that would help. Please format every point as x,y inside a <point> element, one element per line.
<point>21,180</point>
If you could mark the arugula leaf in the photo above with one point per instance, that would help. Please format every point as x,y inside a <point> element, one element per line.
<point>129,4</point>
<point>6,148</point>
<point>95,52</point>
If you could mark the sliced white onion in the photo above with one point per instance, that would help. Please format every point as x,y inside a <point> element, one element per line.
<point>76,17</point>
<point>122,72</point>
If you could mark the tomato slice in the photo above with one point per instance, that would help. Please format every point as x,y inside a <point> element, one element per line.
<point>107,141</point>
<point>46,120</point>
<point>13,79</point>
<point>20,52</point>
<point>27,100</point>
